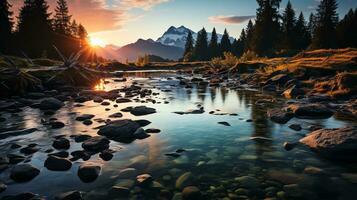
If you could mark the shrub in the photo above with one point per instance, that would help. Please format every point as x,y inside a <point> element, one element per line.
<point>142,60</point>
<point>248,56</point>
<point>228,60</point>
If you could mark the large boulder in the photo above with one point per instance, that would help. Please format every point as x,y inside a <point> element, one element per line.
<point>339,144</point>
<point>279,116</point>
<point>96,144</point>
<point>50,104</point>
<point>119,129</point>
<point>24,172</point>
<point>310,111</point>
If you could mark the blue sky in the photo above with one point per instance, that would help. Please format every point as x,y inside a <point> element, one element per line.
<point>151,18</point>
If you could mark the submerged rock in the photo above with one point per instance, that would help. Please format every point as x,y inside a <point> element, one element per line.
<point>247,182</point>
<point>71,195</point>
<point>224,123</point>
<point>295,127</point>
<point>339,144</point>
<point>184,180</point>
<point>61,143</point>
<point>88,172</point>
<point>84,117</point>
<point>142,110</point>
<point>24,172</point>
<point>191,193</point>
<point>50,104</point>
<point>144,179</point>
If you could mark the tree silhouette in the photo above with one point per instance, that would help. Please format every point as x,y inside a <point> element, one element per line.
<point>288,27</point>
<point>347,30</point>
<point>326,22</point>
<point>34,28</point>
<point>267,28</point>
<point>238,46</point>
<point>62,19</point>
<point>6,24</point>
<point>225,45</point>
<point>303,38</point>
<point>189,44</point>
<point>249,36</point>
<point>213,45</point>
<point>201,47</point>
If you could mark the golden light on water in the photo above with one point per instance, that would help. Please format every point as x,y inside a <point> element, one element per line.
<point>100,86</point>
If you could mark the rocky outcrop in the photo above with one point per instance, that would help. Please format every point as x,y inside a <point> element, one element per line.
<point>339,144</point>
<point>310,111</point>
<point>279,116</point>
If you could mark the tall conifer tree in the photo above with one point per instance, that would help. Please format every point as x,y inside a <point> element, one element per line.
<point>6,24</point>
<point>189,44</point>
<point>201,47</point>
<point>213,45</point>
<point>225,45</point>
<point>62,19</point>
<point>288,27</point>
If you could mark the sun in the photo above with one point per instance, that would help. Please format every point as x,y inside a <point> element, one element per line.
<point>96,42</point>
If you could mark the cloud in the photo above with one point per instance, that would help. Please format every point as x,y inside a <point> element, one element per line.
<point>99,15</point>
<point>229,19</point>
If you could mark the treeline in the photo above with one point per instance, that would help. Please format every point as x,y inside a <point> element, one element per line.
<point>36,31</point>
<point>280,34</point>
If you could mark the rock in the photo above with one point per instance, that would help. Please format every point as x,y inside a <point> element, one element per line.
<point>71,195</point>
<point>80,154</point>
<point>295,127</point>
<point>96,144</point>
<point>56,124</point>
<point>98,99</point>
<point>105,103</point>
<point>88,172</point>
<point>87,122</point>
<point>153,130</point>
<point>81,138</point>
<point>224,123</point>
<point>261,139</point>
<point>144,179</point>
<point>128,173</point>
<point>280,79</point>
<point>21,196</point>
<point>289,146</point>
<point>269,88</point>
<point>191,193</point>
<point>24,172</point>
<point>279,116</point>
<point>116,115</point>
<point>84,117</point>
<point>175,155</point>
<point>293,92</point>
<point>310,111</point>
<point>123,100</point>
<point>106,155</point>
<point>248,182</point>
<point>142,110</point>
<point>6,134</point>
<point>339,144</point>
<point>55,163</point>
<point>2,187</point>
<point>61,154</point>
<point>140,134</point>
<point>119,129</point>
<point>14,159</point>
<point>184,180</point>
<point>313,170</point>
<point>29,150</point>
<point>50,104</point>
<point>119,191</point>
<point>292,190</point>
<point>142,122</point>
<point>61,143</point>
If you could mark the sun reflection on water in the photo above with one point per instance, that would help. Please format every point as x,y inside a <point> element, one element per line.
<point>100,86</point>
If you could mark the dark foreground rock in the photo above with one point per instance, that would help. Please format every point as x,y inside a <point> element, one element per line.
<point>338,144</point>
<point>142,110</point>
<point>50,104</point>
<point>24,173</point>
<point>310,111</point>
<point>88,172</point>
<point>96,144</point>
<point>55,163</point>
<point>71,195</point>
<point>279,116</point>
<point>119,129</point>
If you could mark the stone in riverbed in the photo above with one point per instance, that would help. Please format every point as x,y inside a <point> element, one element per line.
<point>247,182</point>
<point>2,187</point>
<point>144,179</point>
<point>310,111</point>
<point>116,115</point>
<point>153,130</point>
<point>96,144</point>
<point>279,116</point>
<point>119,191</point>
<point>56,124</point>
<point>140,134</point>
<point>184,180</point>
<point>142,110</point>
<point>81,138</point>
<point>119,129</point>
<point>71,195</point>
<point>88,172</point>
<point>142,122</point>
<point>106,155</point>
<point>191,193</point>
<point>24,172</point>
<point>123,100</point>
<point>50,104</point>
<point>128,173</point>
<point>21,196</point>
<point>55,163</point>
<point>339,144</point>
<point>293,92</point>
<point>84,117</point>
<point>87,122</point>
<point>295,127</point>
<point>289,146</point>
<point>61,143</point>
<point>224,123</point>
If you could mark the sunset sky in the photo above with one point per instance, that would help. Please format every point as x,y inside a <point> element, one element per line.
<point>121,22</point>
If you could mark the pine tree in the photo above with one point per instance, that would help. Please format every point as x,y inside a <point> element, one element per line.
<point>225,45</point>
<point>34,28</point>
<point>213,45</point>
<point>267,27</point>
<point>303,38</point>
<point>347,30</point>
<point>249,36</point>
<point>312,24</point>
<point>6,24</point>
<point>188,45</point>
<point>74,29</point>
<point>326,23</point>
<point>62,19</point>
<point>288,26</point>
<point>239,45</point>
<point>201,47</point>
<point>82,35</point>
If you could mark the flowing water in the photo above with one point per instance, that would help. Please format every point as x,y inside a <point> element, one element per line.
<point>223,160</point>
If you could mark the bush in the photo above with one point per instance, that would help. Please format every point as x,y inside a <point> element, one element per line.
<point>248,56</point>
<point>228,60</point>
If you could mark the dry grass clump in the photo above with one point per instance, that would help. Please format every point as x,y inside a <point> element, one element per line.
<point>344,85</point>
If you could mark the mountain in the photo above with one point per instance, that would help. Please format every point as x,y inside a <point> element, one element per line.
<point>177,36</point>
<point>150,47</point>
<point>108,52</point>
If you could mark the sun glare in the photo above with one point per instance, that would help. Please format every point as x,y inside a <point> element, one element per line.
<point>96,42</point>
